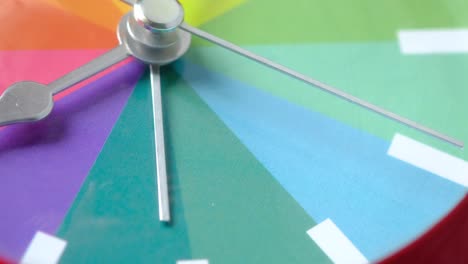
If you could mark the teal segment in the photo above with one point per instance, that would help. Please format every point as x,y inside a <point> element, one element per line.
<point>236,212</point>
<point>332,170</point>
<point>114,219</point>
<point>226,206</point>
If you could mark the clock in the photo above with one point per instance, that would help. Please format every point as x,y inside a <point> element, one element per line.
<point>261,167</point>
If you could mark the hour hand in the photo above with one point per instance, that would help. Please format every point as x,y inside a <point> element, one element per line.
<point>31,101</point>
<point>163,192</point>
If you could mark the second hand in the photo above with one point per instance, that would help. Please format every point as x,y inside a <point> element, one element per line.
<point>325,87</point>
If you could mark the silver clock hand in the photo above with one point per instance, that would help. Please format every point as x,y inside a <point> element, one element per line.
<point>24,102</point>
<point>150,34</point>
<point>163,192</point>
<point>90,69</point>
<point>316,83</point>
<point>31,101</point>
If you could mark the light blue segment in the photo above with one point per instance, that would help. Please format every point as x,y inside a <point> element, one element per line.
<point>333,170</point>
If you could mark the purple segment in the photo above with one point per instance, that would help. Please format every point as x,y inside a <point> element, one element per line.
<point>43,164</point>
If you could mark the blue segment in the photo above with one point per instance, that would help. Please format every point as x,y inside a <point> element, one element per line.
<point>333,170</point>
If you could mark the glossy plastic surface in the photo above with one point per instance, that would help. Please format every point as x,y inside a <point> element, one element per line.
<point>255,158</point>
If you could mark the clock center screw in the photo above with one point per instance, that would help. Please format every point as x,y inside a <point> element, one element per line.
<point>151,31</point>
<point>158,15</point>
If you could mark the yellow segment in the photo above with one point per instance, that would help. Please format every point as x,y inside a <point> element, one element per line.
<point>122,6</point>
<point>197,12</point>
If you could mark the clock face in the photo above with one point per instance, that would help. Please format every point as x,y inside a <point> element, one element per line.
<point>262,168</point>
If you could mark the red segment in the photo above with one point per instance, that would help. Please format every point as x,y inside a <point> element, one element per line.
<point>446,242</point>
<point>4,261</point>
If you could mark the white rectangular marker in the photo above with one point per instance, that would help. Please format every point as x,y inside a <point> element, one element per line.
<point>44,249</point>
<point>429,159</point>
<point>433,41</point>
<point>335,244</point>
<point>194,261</point>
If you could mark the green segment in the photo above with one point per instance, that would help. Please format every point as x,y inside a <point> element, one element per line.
<point>428,89</point>
<point>236,211</point>
<point>307,21</point>
<point>227,207</point>
<point>114,218</point>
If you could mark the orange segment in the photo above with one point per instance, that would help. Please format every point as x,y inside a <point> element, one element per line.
<point>107,12</point>
<point>31,24</point>
<point>104,13</point>
<point>55,3</point>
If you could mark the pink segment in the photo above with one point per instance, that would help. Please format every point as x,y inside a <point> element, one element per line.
<point>42,66</point>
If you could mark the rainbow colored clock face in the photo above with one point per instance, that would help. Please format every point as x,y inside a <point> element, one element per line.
<point>263,168</point>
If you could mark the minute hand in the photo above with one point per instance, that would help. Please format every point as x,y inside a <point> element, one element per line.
<point>325,87</point>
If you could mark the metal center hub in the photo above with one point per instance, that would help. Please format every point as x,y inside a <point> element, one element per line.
<point>153,36</point>
<point>158,15</point>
